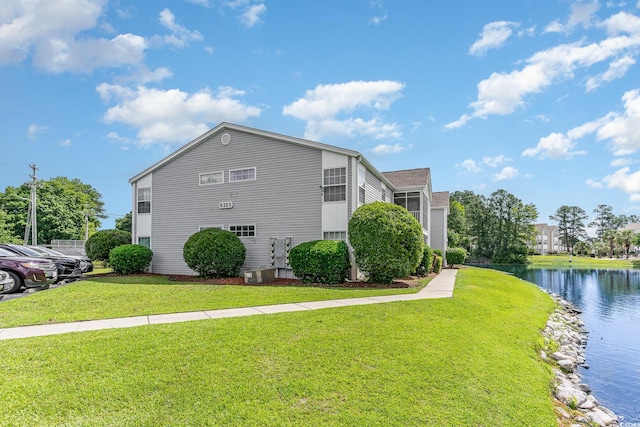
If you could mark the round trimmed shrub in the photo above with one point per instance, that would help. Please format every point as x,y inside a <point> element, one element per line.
<point>100,243</point>
<point>130,259</point>
<point>426,264</point>
<point>321,261</point>
<point>214,253</point>
<point>387,241</point>
<point>456,256</point>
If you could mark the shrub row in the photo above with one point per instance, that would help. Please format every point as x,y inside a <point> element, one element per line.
<point>321,261</point>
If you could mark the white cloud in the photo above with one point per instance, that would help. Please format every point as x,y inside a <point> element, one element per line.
<point>582,14</point>
<point>24,25</point>
<point>554,146</point>
<point>503,93</point>
<point>173,116</point>
<point>471,166</point>
<point>494,162</point>
<point>621,162</point>
<point>34,130</point>
<point>388,149</point>
<point>252,15</point>
<point>377,20</point>
<point>59,55</point>
<point>506,173</point>
<point>65,143</point>
<point>180,36</point>
<point>624,181</point>
<point>623,130</point>
<point>493,36</point>
<point>594,184</point>
<point>617,69</point>
<point>320,106</point>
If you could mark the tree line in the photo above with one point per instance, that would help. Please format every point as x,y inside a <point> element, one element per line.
<point>500,228</point>
<point>66,209</point>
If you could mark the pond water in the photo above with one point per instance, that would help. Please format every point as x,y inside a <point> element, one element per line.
<point>610,304</point>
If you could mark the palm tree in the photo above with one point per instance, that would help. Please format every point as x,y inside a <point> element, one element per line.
<point>625,239</point>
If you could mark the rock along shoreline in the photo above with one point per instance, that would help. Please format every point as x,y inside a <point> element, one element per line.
<point>575,405</point>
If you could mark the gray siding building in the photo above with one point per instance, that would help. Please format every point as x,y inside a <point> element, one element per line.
<point>271,190</point>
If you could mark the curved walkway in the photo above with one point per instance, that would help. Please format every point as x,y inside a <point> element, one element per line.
<point>440,286</point>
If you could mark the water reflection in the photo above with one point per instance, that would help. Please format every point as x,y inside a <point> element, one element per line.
<point>610,304</point>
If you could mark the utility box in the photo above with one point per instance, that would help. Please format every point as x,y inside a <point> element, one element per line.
<point>255,277</point>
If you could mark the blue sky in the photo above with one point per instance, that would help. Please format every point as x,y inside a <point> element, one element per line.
<point>540,98</point>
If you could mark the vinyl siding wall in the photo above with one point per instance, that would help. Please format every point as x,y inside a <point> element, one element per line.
<point>284,200</point>
<point>438,234</point>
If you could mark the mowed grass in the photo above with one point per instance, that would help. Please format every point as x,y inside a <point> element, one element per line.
<point>466,361</point>
<point>582,262</point>
<point>111,297</point>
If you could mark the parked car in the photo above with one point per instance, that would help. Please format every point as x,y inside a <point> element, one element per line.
<point>26,271</point>
<point>86,265</point>
<point>68,268</point>
<point>6,281</point>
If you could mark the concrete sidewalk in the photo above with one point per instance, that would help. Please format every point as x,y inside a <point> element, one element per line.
<point>440,287</point>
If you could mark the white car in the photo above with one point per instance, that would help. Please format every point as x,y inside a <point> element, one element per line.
<point>6,281</point>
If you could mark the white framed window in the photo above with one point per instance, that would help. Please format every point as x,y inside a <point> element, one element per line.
<point>209,178</point>
<point>335,184</point>
<point>248,174</point>
<point>243,230</point>
<point>144,200</point>
<point>362,177</point>
<point>144,241</point>
<point>383,190</point>
<point>335,235</point>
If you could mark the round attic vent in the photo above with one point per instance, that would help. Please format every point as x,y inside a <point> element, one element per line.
<point>225,139</point>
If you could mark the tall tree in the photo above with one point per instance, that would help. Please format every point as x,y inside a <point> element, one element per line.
<point>571,226</point>
<point>6,234</point>
<point>604,220</point>
<point>457,232</point>
<point>500,227</point>
<point>65,207</point>
<point>125,223</point>
<point>626,239</point>
<point>610,237</point>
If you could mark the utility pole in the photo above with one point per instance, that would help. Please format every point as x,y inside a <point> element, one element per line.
<point>34,222</point>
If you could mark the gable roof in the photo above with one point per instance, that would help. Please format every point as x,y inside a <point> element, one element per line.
<point>409,177</point>
<point>440,199</point>
<point>230,126</point>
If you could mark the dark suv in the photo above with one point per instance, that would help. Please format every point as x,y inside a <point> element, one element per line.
<point>68,268</point>
<point>26,271</point>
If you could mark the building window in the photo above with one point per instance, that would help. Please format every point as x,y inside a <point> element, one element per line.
<point>145,241</point>
<point>144,200</point>
<point>409,201</point>
<point>383,191</point>
<point>362,176</point>
<point>243,230</point>
<point>335,185</point>
<point>211,178</point>
<point>236,175</point>
<point>335,235</point>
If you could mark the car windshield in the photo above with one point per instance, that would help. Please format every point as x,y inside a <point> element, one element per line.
<point>27,251</point>
<point>4,252</point>
<point>49,251</point>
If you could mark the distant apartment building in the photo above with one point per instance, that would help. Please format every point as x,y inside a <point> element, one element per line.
<point>547,239</point>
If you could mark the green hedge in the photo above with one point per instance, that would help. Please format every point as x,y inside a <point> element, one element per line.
<point>214,253</point>
<point>456,256</point>
<point>321,261</point>
<point>437,264</point>
<point>387,241</point>
<point>100,243</point>
<point>426,264</point>
<point>130,259</point>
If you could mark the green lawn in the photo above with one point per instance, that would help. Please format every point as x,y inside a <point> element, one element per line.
<point>582,262</point>
<point>109,297</point>
<point>466,361</point>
